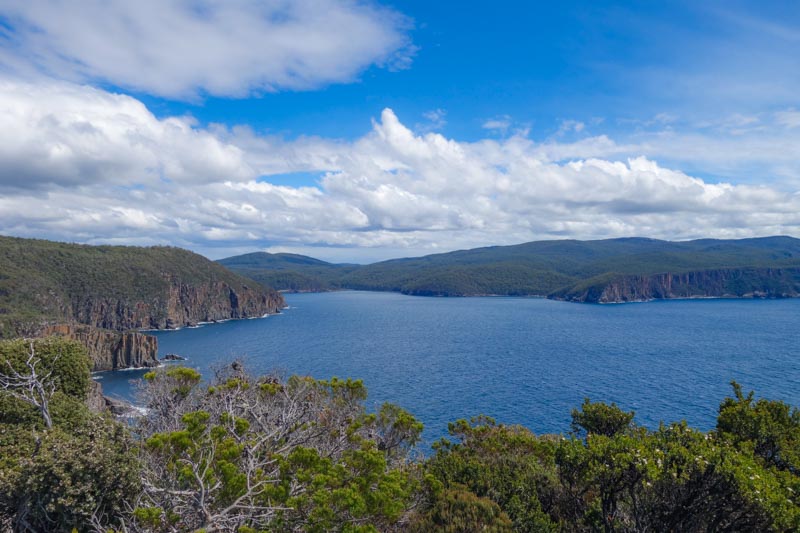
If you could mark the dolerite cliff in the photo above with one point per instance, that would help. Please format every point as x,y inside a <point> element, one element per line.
<point>100,295</point>
<point>110,350</point>
<point>718,283</point>
<point>181,304</point>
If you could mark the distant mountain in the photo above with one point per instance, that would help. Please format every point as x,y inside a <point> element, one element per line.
<point>289,272</point>
<point>99,293</point>
<point>611,270</point>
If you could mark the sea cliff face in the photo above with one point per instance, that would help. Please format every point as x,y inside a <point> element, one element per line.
<point>719,283</point>
<point>110,350</point>
<point>104,324</point>
<point>100,295</point>
<point>181,305</point>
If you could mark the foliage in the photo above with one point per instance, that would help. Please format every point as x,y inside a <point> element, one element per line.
<point>461,511</point>
<point>244,453</point>
<point>66,359</point>
<point>507,464</point>
<point>620,477</point>
<point>267,454</point>
<point>44,280</point>
<point>771,428</point>
<point>598,418</point>
<point>68,479</point>
<point>675,479</point>
<point>563,269</point>
<point>42,381</point>
<point>77,473</point>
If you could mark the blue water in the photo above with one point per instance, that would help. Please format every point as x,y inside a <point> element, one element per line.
<point>520,360</point>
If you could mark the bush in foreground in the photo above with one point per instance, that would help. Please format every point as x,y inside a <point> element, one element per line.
<point>248,454</point>
<point>70,468</point>
<point>611,475</point>
<point>253,454</point>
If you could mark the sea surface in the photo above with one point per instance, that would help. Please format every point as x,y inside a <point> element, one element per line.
<point>520,360</point>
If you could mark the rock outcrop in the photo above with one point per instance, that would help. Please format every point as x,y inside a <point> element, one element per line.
<point>99,403</point>
<point>719,283</point>
<point>100,294</point>
<point>104,324</point>
<point>110,350</point>
<point>95,399</point>
<point>181,304</point>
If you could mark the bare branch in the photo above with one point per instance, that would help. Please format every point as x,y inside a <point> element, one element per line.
<point>32,386</point>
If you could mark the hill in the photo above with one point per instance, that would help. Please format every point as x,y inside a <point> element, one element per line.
<point>95,293</point>
<point>611,270</point>
<point>289,272</point>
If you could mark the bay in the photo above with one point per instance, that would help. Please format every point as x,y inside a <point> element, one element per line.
<point>520,360</point>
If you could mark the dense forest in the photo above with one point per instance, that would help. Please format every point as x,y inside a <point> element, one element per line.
<point>289,272</point>
<point>117,287</point>
<point>259,453</point>
<point>612,270</point>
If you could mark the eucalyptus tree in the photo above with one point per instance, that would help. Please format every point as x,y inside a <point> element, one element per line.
<point>269,454</point>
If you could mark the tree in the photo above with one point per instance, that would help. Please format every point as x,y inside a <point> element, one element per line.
<point>263,453</point>
<point>61,466</point>
<point>771,427</point>
<point>599,418</point>
<point>672,479</point>
<point>508,465</point>
<point>32,386</point>
<point>461,511</point>
<point>32,371</point>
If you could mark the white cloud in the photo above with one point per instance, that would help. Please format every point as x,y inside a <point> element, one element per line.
<point>500,124</point>
<point>59,134</point>
<point>569,126</point>
<point>742,148</point>
<point>80,164</point>
<point>435,121</point>
<point>182,49</point>
<point>789,118</point>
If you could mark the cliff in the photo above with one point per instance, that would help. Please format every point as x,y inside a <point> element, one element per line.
<point>180,304</point>
<point>110,350</point>
<point>98,294</point>
<point>623,269</point>
<point>717,283</point>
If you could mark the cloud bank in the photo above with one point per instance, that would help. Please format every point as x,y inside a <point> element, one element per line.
<point>81,164</point>
<point>184,49</point>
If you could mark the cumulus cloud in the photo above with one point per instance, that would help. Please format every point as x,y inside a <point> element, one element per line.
<point>90,166</point>
<point>744,148</point>
<point>59,134</point>
<point>182,49</point>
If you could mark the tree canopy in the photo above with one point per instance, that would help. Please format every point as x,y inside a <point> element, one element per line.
<point>249,453</point>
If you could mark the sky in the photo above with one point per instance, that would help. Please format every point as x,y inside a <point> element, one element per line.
<point>357,130</point>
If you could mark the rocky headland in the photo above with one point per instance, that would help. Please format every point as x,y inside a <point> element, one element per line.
<point>603,271</point>
<point>718,283</point>
<point>103,296</point>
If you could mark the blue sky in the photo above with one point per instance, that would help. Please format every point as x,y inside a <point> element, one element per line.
<point>545,62</point>
<point>357,131</point>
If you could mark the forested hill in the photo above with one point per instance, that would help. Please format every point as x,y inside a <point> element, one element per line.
<point>289,272</point>
<point>93,293</point>
<point>612,270</point>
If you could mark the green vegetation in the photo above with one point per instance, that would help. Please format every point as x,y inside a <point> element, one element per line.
<point>572,270</point>
<point>50,281</point>
<point>248,454</point>
<point>289,272</point>
<point>261,454</point>
<point>71,468</point>
<point>611,475</point>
